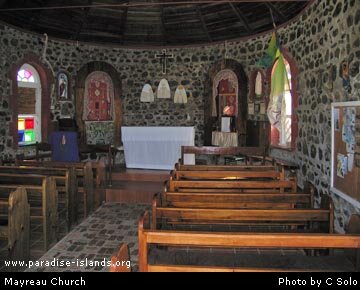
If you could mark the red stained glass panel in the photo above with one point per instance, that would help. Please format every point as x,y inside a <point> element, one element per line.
<point>29,124</point>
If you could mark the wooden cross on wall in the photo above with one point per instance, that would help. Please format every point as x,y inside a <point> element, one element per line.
<point>163,58</point>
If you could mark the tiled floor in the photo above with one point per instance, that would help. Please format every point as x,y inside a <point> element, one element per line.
<point>96,239</point>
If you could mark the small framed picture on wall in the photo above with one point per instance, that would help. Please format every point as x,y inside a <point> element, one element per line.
<point>63,86</point>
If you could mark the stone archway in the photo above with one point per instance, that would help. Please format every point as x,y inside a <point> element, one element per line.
<point>79,97</point>
<point>209,120</point>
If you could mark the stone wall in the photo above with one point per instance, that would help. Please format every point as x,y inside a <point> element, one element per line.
<point>319,40</point>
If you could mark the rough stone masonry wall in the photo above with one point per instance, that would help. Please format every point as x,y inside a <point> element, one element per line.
<point>327,33</point>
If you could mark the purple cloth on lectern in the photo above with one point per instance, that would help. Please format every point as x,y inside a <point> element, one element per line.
<point>64,146</point>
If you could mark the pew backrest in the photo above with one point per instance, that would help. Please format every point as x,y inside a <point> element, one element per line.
<point>237,201</point>
<point>233,240</point>
<point>120,261</point>
<point>41,189</point>
<point>212,150</point>
<point>66,183</point>
<point>232,186</point>
<point>15,212</point>
<point>226,175</point>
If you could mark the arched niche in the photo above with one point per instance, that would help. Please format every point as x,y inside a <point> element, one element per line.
<point>46,81</point>
<point>80,88</point>
<point>225,86</point>
<point>234,69</point>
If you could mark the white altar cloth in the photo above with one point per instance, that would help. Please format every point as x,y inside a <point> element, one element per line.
<point>156,147</point>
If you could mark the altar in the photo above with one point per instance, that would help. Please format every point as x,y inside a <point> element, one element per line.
<point>156,147</point>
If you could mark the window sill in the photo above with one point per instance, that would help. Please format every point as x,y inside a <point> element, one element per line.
<point>282,147</point>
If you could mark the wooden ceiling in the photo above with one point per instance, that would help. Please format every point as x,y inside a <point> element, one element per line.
<point>149,22</point>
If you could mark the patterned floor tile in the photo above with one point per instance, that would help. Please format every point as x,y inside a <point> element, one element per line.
<point>89,246</point>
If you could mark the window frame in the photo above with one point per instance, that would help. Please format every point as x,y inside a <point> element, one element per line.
<point>37,116</point>
<point>274,133</point>
<point>46,80</point>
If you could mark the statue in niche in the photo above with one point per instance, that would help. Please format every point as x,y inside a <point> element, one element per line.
<point>63,86</point>
<point>229,105</point>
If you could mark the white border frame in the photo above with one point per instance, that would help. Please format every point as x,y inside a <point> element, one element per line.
<point>333,189</point>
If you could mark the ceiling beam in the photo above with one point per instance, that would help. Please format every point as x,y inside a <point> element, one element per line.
<point>123,25</point>
<point>278,13</point>
<point>143,4</point>
<point>83,20</point>
<point>203,24</point>
<point>241,17</point>
<point>163,27</point>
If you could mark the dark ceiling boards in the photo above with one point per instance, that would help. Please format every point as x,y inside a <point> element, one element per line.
<point>149,23</point>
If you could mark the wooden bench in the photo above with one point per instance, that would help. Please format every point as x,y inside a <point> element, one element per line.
<point>66,185</point>
<point>90,181</point>
<point>235,186</point>
<point>235,200</point>
<point>120,261</point>
<point>42,197</point>
<point>230,241</point>
<point>303,219</point>
<point>182,167</point>
<point>220,199</point>
<point>226,175</point>
<point>14,228</point>
<point>222,151</point>
<point>98,167</point>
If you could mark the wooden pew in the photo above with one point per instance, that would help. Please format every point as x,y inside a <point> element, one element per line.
<point>286,218</point>
<point>91,182</point>
<point>236,186</point>
<point>14,228</point>
<point>226,175</point>
<point>98,167</point>
<point>66,186</point>
<point>235,200</point>
<point>182,167</point>
<point>220,151</point>
<point>120,260</point>
<point>217,240</point>
<point>43,200</point>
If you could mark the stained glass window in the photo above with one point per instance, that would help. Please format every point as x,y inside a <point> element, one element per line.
<point>26,130</point>
<point>25,76</point>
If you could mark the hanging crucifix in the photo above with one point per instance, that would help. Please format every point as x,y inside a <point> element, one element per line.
<point>163,58</point>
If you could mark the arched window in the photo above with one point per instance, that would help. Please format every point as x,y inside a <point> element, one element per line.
<point>285,134</point>
<point>29,105</point>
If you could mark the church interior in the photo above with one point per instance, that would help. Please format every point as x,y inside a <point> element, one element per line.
<point>185,136</point>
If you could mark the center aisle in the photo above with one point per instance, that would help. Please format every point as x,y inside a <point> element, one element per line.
<point>96,239</point>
